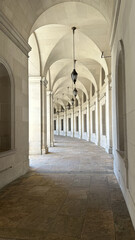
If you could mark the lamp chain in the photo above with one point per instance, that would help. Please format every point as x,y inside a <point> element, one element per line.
<point>74,61</point>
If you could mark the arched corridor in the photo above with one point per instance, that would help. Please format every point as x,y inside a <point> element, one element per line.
<point>67,119</point>
<point>69,194</point>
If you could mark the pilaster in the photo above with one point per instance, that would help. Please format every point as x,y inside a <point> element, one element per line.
<point>43,84</point>
<point>72,123</point>
<point>108,113</point>
<point>34,115</point>
<point>97,119</point>
<point>49,119</point>
<point>88,120</point>
<point>80,121</point>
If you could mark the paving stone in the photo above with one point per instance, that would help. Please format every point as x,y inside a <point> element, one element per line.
<point>70,194</point>
<point>68,225</point>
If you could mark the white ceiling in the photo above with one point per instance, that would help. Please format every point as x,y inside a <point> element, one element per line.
<point>51,42</point>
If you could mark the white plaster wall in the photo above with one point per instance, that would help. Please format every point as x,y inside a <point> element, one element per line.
<point>17,159</point>
<point>125,31</point>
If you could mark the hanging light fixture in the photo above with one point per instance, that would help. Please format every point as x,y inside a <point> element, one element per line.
<point>74,74</point>
<point>75,92</point>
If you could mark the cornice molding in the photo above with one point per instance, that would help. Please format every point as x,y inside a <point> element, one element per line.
<point>10,31</point>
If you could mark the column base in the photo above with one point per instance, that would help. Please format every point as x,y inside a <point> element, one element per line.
<point>44,150</point>
<point>52,144</point>
<point>109,150</point>
<point>88,139</point>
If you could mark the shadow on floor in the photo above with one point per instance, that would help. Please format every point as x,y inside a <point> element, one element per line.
<point>71,194</point>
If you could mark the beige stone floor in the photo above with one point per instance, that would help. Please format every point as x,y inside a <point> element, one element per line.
<point>69,194</point>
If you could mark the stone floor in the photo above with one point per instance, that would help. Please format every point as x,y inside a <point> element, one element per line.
<point>69,194</point>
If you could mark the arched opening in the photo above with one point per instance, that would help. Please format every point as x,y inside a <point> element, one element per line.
<point>93,90</point>
<point>84,97</point>
<point>76,102</point>
<point>6,108</point>
<point>55,125</point>
<point>121,102</point>
<point>49,67</point>
<point>54,110</point>
<point>102,76</point>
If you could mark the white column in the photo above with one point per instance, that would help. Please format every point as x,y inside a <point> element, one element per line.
<point>88,120</point>
<point>34,115</point>
<point>49,119</point>
<point>80,121</point>
<point>44,146</point>
<point>72,122</point>
<point>65,122</point>
<point>52,125</point>
<point>108,114</point>
<point>97,119</point>
<point>58,125</point>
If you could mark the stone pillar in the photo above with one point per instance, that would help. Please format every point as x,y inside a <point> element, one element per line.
<point>58,127</point>
<point>49,119</point>
<point>88,120</point>
<point>35,115</point>
<point>97,119</point>
<point>65,122</point>
<point>72,123</point>
<point>43,84</point>
<point>80,121</point>
<point>108,113</point>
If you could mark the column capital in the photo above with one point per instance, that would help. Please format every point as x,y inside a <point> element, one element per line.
<point>65,111</point>
<point>49,92</point>
<point>108,78</point>
<point>35,79</point>
<point>97,94</point>
<point>108,81</point>
<point>44,81</point>
<point>88,103</point>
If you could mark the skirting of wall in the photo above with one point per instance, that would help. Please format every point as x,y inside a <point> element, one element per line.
<point>127,196</point>
<point>12,173</point>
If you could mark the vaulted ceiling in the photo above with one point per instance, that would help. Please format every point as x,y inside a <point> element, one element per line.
<point>48,25</point>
